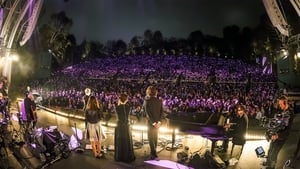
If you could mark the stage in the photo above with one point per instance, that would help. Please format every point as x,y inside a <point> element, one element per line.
<point>168,154</point>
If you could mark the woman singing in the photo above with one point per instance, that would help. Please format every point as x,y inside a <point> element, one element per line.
<point>123,138</point>
<point>93,115</point>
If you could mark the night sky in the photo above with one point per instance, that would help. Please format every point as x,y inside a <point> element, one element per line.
<point>103,20</point>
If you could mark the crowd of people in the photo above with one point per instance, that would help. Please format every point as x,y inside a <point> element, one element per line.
<point>186,83</point>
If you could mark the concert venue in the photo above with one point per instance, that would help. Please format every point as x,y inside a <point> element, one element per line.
<point>227,101</point>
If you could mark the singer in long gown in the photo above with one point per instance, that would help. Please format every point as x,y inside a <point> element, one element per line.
<point>123,138</point>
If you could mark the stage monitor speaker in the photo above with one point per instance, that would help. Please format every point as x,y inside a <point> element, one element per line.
<point>30,159</point>
<point>214,160</point>
<point>198,162</point>
<point>208,161</point>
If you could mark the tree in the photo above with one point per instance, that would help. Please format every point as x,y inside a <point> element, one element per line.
<point>195,40</point>
<point>232,37</point>
<point>56,38</point>
<point>157,40</point>
<point>148,35</point>
<point>120,47</point>
<point>134,44</point>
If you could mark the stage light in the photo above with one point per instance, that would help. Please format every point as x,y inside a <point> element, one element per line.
<point>14,57</point>
<point>284,53</point>
<point>298,52</point>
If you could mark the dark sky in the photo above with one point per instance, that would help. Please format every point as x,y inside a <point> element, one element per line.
<point>103,20</point>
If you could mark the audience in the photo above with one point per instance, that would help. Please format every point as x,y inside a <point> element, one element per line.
<point>187,83</point>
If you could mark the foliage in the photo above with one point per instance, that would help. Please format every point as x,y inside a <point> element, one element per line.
<point>243,43</point>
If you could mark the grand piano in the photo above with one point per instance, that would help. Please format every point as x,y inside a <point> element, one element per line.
<point>205,124</point>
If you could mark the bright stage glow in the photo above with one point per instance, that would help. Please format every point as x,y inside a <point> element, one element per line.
<point>14,57</point>
<point>298,55</point>
<point>139,127</point>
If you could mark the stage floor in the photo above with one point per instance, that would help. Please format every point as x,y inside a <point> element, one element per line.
<point>167,154</point>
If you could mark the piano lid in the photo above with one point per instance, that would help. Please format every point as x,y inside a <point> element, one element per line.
<point>204,123</point>
<point>195,117</point>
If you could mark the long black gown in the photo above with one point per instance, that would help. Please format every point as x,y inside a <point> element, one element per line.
<point>123,137</point>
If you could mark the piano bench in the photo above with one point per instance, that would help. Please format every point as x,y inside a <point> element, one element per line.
<point>232,147</point>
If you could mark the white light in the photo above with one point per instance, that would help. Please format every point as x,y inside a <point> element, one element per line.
<point>167,130</point>
<point>14,57</point>
<point>298,55</point>
<point>139,127</point>
<point>284,52</point>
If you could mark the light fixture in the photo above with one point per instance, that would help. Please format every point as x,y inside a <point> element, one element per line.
<point>298,52</point>
<point>284,53</point>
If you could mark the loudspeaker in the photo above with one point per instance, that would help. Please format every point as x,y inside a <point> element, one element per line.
<point>208,161</point>
<point>214,160</point>
<point>197,162</point>
<point>27,155</point>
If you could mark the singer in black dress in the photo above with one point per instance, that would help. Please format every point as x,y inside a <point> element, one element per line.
<point>123,137</point>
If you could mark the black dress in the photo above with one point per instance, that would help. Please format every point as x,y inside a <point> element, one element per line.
<point>123,138</point>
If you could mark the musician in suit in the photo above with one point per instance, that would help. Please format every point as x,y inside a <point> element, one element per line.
<point>154,112</point>
<point>237,127</point>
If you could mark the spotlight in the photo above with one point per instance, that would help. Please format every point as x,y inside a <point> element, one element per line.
<point>284,53</point>
<point>298,52</point>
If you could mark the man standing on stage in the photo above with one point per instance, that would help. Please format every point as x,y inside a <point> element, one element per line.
<point>30,117</point>
<point>154,111</point>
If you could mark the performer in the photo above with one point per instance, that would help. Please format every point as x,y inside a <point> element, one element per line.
<point>237,127</point>
<point>4,87</point>
<point>278,131</point>
<point>30,116</point>
<point>3,110</point>
<point>93,116</point>
<point>154,111</point>
<point>5,102</point>
<point>123,138</point>
<point>85,98</point>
